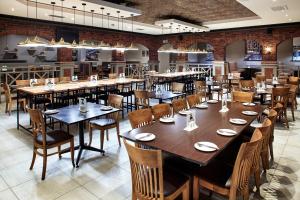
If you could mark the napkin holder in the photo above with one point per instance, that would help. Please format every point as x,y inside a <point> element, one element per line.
<point>32,82</point>
<point>82,105</point>
<point>191,122</point>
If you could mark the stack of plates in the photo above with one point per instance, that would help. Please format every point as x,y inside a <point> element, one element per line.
<point>249,112</point>
<point>206,146</point>
<point>145,137</point>
<point>226,132</point>
<point>238,121</point>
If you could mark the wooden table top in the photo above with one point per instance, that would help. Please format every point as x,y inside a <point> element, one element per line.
<point>173,139</point>
<point>71,114</point>
<point>76,85</point>
<point>175,74</point>
<point>165,95</point>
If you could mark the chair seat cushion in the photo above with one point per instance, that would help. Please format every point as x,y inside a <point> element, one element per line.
<point>103,122</point>
<point>53,137</point>
<point>173,180</point>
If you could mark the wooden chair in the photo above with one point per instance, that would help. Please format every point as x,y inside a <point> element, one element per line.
<point>64,79</point>
<point>161,110</point>
<point>225,180</point>
<point>139,118</point>
<point>141,99</point>
<point>272,116</point>
<point>112,75</point>
<point>111,120</point>
<point>281,95</point>
<point>150,180</point>
<point>260,78</point>
<point>240,96</point>
<point>178,105</point>
<point>9,100</point>
<point>22,83</point>
<point>201,89</point>
<point>46,140</point>
<point>246,84</point>
<point>194,100</point>
<point>221,84</point>
<point>177,87</point>
<point>292,103</point>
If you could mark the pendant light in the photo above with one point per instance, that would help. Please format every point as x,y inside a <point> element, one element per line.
<point>102,9</point>
<point>74,44</point>
<point>166,48</point>
<point>132,47</point>
<point>118,46</point>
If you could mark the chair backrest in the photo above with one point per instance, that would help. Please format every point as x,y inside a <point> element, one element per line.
<point>200,88</point>
<point>65,79</point>
<point>246,84</point>
<point>139,118</point>
<point>141,98</point>
<point>272,116</point>
<point>7,92</point>
<point>40,81</point>
<point>242,166</point>
<point>38,124</point>
<point>112,76</point>
<point>240,96</point>
<point>22,83</point>
<point>280,95</point>
<point>161,110</point>
<point>178,87</point>
<point>115,101</point>
<point>260,78</point>
<point>146,172</point>
<point>178,105</point>
<point>194,100</point>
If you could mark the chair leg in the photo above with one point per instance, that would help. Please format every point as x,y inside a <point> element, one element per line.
<point>271,150</point>
<point>265,160</point>
<point>107,138</point>
<point>9,108</point>
<point>195,188</point>
<point>257,179</point>
<point>59,150</point>
<point>186,192</point>
<point>286,119</point>
<point>292,110</point>
<point>6,107</point>
<point>33,159</point>
<point>72,151</point>
<point>44,164</point>
<point>246,194</point>
<point>101,138</point>
<point>118,134</point>
<point>90,135</point>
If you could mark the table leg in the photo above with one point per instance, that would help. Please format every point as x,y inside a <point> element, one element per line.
<point>18,117</point>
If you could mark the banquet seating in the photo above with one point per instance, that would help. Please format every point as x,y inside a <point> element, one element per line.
<point>139,118</point>
<point>47,140</point>
<point>240,96</point>
<point>151,179</point>
<point>179,104</point>
<point>110,121</point>
<point>227,180</point>
<point>161,110</point>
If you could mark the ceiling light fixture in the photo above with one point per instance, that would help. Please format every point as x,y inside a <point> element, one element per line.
<point>132,46</point>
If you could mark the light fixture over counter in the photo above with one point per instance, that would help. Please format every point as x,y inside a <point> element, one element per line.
<point>178,26</point>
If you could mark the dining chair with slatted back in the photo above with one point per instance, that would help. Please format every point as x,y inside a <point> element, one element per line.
<point>177,87</point>
<point>22,83</point>
<point>246,84</point>
<point>110,121</point>
<point>139,118</point>
<point>233,183</point>
<point>40,81</point>
<point>149,179</point>
<point>273,117</point>
<point>112,75</point>
<point>201,89</point>
<point>161,110</point>
<point>64,79</point>
<point>193,100</point>
<point>281,95</point>
<point>292,103</point>
<point>9,99</point>
<point>260,78</point>
<point>240,96</point>
<point>141,99</point>
<point>42,140</point>
<point>179,104</point>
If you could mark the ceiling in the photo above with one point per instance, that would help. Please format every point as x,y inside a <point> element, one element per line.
<point>213,14</point>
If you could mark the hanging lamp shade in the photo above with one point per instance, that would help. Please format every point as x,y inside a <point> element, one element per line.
<point>60,44</point>
<point>132,47</point>
<point>24,42</point>
<point>74,45</point>
<point>35,42</point>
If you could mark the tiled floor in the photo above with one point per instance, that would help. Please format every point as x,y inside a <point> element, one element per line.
<point>108,177</point>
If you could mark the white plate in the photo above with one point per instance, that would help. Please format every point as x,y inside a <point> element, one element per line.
<point>206,146</point>
<point>266,111</point>
<point>185,112</point>
<point>202,106</point>
<point>226,132</point>
<point>256,125</point>
<point>249,112</point>
<point>167,119</point>
<point>177,92</point>
<point>51,112</point>
<point>238,121</point>
<point>145,137</point>
<point>212,101</point>
<point>245,89</point>
<point>106,108</point>
<point>249,104</point>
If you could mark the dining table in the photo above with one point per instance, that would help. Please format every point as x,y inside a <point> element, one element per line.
<point>165,95</point>
<point>72,115</point>
<point>173,139</point>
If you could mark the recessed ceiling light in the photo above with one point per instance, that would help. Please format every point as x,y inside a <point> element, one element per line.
<point>13,9</point>
<point>286,15</point>
<point>290,19</point>
<point>72,18</point>
<point>274,0</point>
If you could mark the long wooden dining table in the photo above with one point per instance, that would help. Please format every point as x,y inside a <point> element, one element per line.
<point>173,139</point>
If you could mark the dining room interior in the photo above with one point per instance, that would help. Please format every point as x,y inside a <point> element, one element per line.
<point>149,99</point>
